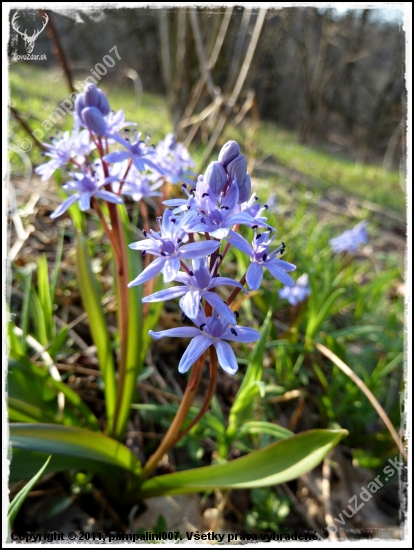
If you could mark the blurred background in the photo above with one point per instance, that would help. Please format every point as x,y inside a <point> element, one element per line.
<point>316,97</point>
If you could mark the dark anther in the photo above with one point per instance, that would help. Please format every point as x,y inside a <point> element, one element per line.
<point>203,220</point>
<point>184,186</point>
<point>264,258</point>
<point>173,220</point>
<point>183,316</point>
<point>233,331</point>
<point>266,206</point>
<point>143,252</point>
<point>204,195</point>
<point>256,198</point>
<point>216,275</point>
<point>193,190</point>
<point>220,256</point>
<point>237,314</point>
<point>255,226</point>
<point>258,235</point>
<point>202,326</point>
<point>188,206</point>
<point>145,233</point>
<point>179,241</point>
<point>191,273</point>
<point>163,254</point>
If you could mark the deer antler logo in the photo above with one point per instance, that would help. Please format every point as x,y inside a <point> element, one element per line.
<point>29,41</point>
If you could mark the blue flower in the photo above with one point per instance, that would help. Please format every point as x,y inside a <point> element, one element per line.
<point>75,146</point>
<point>92,108</point>
<point>175,161</point>
<point>261,257</point>
<point>351,239</point>
<point>212,331</point>
<point>166,244</point>
<point>143,157</point>
<point>197,285</point>
<point>217,217</point>
<point>298,293</point>
<point>86,187</point>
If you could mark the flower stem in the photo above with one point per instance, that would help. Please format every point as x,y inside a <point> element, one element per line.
<point>236,290</point>
<point>186,402</point>
<point>208,398</point>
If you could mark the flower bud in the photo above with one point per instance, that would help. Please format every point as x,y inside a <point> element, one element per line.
<point>103,104</point>
<point>79,105</point>
<point>91,96</point>
<point>245,189</point>
<point>237,169</point>
<point>215,177</point>
<point>94,121</point>
<point>229,152</point>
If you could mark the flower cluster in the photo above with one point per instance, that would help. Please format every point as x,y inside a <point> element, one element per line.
<point>298,293</point>
<point>351,239</point>
<point>194,233</point>
<point>191,245</point>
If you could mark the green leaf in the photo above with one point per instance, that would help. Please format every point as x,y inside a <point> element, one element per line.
<point>250,386</point>
<point>134,356</point>
<point>18,500</point>
<point>39,321</point>
<point>44,296</point>
<point>26,309</point>
<point>91,299</point>
<point>259,427</point>
<point>56,268</point>
<point>317,319</point>
<point>277,463</point>
<point>33,385</point>
<point>354,331</point>
<point>76,447</point>
<point>59,340</point>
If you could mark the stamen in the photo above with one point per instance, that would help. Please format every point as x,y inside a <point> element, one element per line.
<point>233,331</point>
<point>264,258</point>
<point>183,316</point>
<point>202,326</point>
<point>143,252</point>
<point>237,314</point>
<point>191,273</point>
<point>144,233</point>
<point>255,226</point>
<point>204,195</point>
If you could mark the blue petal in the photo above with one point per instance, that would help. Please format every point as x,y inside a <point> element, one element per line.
<point>254,276</point>
<point>279,274</point>
<point>118,156</point>
<point>178,332</point>
<point>240,242</point>
<point>198,250</point>
<point>223,309</point>
<point>190,303</point>
<point>167,294</point>
<point>218,281</point>
<point>243,334</point>
<point>226,357</point>
<point>64,206</point>
<point>149,272</point>
<point>231,198</point>
<point>108,196</point>
<point>171,268</point>
<point>85,201</point>
<point>195,349</point>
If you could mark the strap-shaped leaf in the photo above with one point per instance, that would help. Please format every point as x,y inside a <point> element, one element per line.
<point>91,300</point>
<point>249,388</point>
<point>18,500</point>
<point>78,447</point>
<point>134,358</point>
<point>277,463</point>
